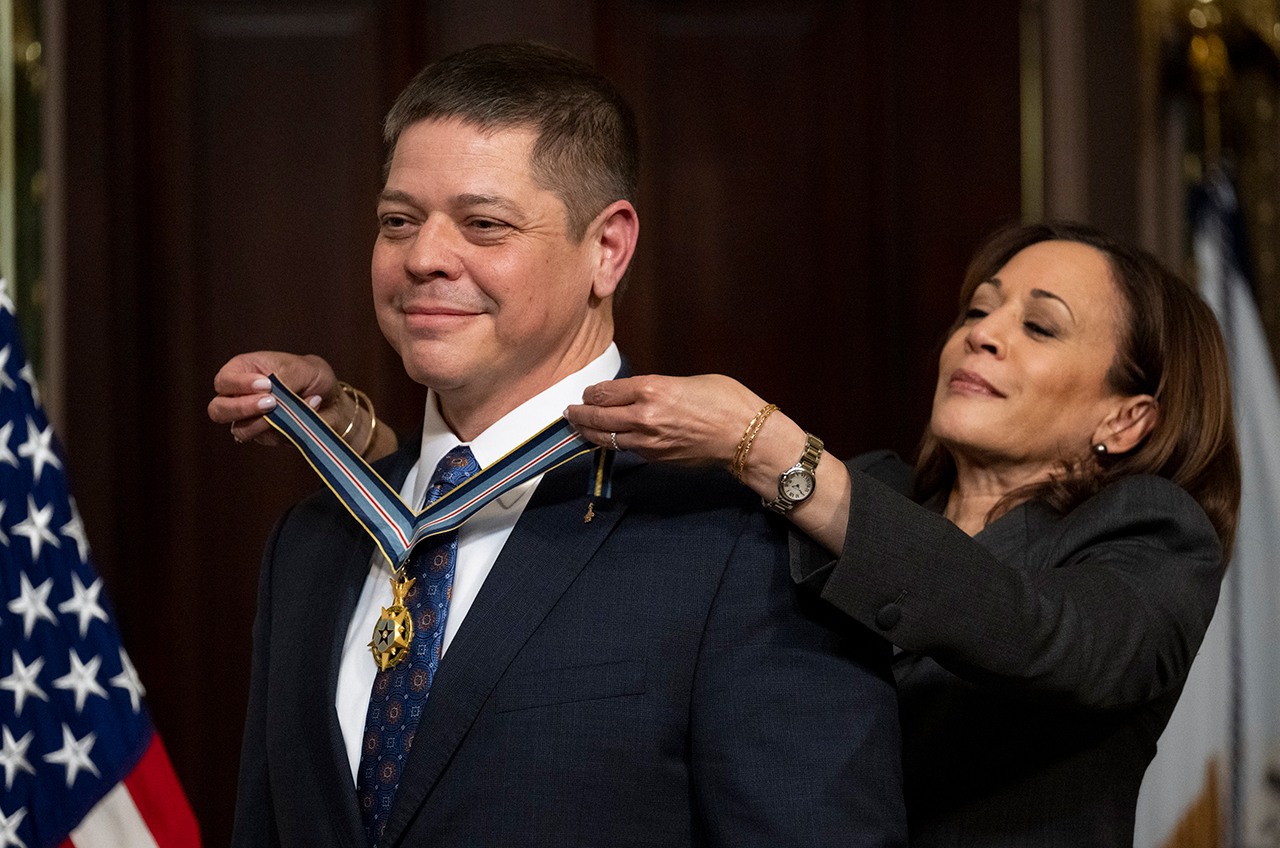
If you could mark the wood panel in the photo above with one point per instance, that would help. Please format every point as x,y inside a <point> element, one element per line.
<point>816,175</point>
<point>239,185</point>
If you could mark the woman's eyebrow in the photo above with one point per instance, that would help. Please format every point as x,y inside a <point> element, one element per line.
<point>1052,296</point>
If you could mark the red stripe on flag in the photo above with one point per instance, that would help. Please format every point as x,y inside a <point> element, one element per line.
<point>159,799</point>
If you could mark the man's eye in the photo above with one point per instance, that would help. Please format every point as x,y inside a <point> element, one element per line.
<point>484,230</point>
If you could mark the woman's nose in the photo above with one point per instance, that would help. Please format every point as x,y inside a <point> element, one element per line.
<point>987,333</point>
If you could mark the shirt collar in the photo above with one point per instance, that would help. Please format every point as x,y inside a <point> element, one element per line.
<point>512,429</point>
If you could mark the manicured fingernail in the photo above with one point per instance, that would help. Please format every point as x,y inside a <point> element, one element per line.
<point>263,385</point>
<point>314,401</point>
<point>267,402</point>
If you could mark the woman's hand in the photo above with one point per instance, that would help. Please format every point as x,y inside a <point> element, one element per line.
<point>700,421</point>
<point>244,393</point>
<point>682,420</point>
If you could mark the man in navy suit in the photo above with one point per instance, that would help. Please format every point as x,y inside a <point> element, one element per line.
<point>631,671</point>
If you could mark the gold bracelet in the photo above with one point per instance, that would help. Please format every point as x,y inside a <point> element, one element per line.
<point>354,394</point>
<point>361,401</point>
<point>373,424</point>
<point>739,466</point>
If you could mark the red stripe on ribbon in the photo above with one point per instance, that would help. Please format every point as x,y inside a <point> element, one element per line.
<point>395,525</point>
<point>502,482</point>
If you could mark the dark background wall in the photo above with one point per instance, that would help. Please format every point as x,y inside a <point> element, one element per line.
<point>816,174</point>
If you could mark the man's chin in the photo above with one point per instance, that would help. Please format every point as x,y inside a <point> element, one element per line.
<point>441,380</point>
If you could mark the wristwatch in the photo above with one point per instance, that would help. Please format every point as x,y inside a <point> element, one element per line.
<point>797,482</point>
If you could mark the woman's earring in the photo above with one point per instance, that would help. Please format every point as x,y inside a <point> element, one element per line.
<point>1100,449</point>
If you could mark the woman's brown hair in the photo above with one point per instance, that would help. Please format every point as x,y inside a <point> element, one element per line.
<point>1171,348</point>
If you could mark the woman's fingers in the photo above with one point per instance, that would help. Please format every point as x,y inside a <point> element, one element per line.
<point>687,420</point>
<point>244,391</point>
<point>615,392</point>
<point>598,437</point>
<point>602,419</point>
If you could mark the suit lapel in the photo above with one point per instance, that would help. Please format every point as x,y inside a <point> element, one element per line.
<point>550,545</point>
<point>325,629</point>
<point>326,632</point>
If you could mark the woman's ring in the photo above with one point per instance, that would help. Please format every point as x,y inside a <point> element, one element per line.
<point>613,437</point>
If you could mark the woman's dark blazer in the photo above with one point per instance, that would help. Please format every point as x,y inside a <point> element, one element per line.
<point>1040,659</point>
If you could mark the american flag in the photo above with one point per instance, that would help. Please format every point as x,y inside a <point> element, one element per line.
<point>82,764</point>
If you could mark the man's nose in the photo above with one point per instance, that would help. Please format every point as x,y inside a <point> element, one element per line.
<point>434,252</point>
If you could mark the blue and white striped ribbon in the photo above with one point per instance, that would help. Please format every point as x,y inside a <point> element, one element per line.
<point>394,526</point>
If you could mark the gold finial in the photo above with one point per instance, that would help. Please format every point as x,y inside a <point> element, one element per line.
<point>1212,70</point>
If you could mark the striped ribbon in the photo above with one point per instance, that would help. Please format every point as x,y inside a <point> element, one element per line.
<point>394,526</point>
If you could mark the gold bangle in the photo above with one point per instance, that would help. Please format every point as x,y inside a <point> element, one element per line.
<point>361,400</point>
<point>354,394</point>
<point>373,425</point>
<point>739,466</point>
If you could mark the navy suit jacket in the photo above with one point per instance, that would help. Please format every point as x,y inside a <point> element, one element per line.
<point>649,678</point>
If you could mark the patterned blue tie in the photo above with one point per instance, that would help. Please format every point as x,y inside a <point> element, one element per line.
<point>400,693</point>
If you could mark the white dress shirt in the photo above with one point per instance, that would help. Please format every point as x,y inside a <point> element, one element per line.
<point>480,540</point>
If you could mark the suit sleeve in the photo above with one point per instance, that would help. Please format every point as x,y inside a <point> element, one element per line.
<point>794,730</point>
<point>1103,608</point>
<point>254,825</point>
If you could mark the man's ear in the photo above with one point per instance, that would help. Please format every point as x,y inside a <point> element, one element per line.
<point>613,233</point>
<point>1130,423</point>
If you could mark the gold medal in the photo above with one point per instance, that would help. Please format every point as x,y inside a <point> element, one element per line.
<point>394,630</point>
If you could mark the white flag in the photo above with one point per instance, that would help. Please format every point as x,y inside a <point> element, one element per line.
<point>1229,714</point>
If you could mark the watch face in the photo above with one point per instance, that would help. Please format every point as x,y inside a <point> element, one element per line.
<point>797,484</point>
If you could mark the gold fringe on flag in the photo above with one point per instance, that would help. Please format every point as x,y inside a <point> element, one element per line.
<point>1201,824</point>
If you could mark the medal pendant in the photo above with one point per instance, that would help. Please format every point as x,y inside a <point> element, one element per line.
<point>394,630</point>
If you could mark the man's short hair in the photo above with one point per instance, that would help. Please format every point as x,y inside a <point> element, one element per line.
<point>587,150</point>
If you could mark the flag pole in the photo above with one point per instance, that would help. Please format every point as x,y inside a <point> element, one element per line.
<point>1211,71</point>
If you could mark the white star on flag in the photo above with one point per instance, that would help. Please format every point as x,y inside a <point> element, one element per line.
<point>36,528</point>
<point>39,447</point>
<point>82,679</point>
<point>123,791</point>
<point>22,682</point>
<point>129,681</point>
<point>74,754</point>
<point>5,380</point>
<point>74,529</point>
<point>9,824</point>
<point>32,603</point>
<point>13,756</point>
<point>84,603</point>
<point>6,455</point>
<point>28,375</point>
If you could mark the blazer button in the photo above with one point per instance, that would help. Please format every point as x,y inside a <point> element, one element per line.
<point>889,616</point>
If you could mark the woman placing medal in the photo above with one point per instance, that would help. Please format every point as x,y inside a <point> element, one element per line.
<point>1049,566</point>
